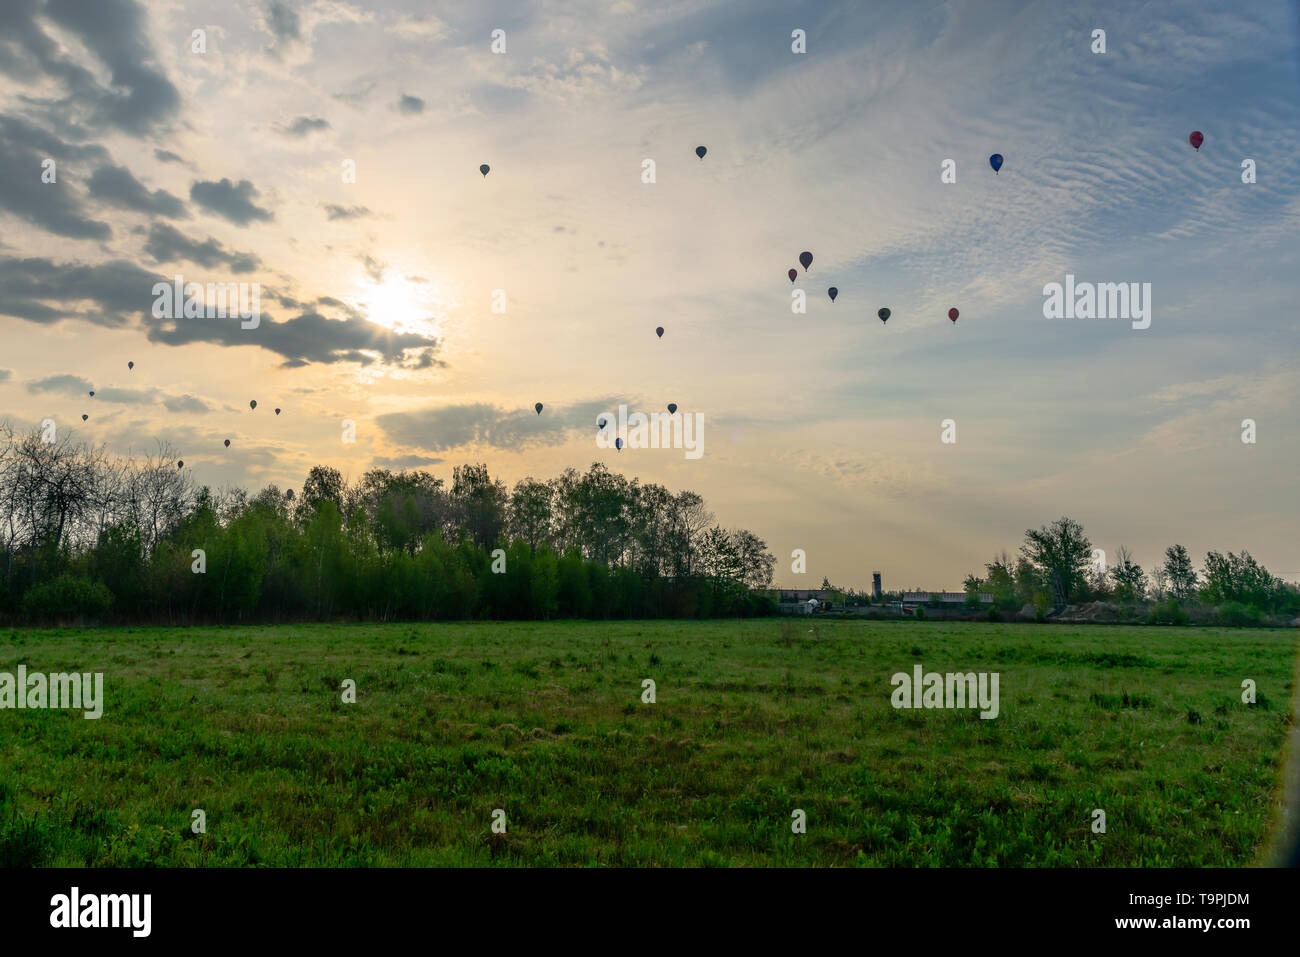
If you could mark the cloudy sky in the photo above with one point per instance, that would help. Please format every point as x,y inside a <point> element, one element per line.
<point>822,429</point>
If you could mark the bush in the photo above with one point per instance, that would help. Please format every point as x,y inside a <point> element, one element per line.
<point>1167,612</point>
<point>920,611</point>
<point>1237,615</point>
<point>994,615</point>
<point>67,596</point>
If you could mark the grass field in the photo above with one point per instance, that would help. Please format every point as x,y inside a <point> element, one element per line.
<point>753,719</point>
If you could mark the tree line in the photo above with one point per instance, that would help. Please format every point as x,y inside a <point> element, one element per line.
<point>87,535</point>
<point>1056,566</point>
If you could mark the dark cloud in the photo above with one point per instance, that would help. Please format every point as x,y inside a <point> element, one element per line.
<point>446,427</point>
<point>127,396</point>
<point>5,373</point>
<point>333,212</point>
<point>61,384</point>
<point>283,22</point>
<point>232,201</point>
<point>166,156</point>
<point>304,125</point>
<point>185,403</point>
<point>55,207</point>
<point>374,268</point>
<point>411,105</point>
<point>407,462</point>
<point>115,186</point>
<point>138,97</point>
<point>306,338</point>
<point>106,294</point>
<point>168,244</point>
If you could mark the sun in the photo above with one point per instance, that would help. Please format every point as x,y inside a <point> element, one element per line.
<point>399,304</point>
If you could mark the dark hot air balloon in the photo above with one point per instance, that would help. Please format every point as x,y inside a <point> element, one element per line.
<point>227,443</point>
<point>700,151</point>
<point>805,260</point>
<point>832,292</point>
<point>84,418</point>
<point>180,464</point>
<point>884,315</point>
<point>618,445</point>
<point>538,407</point>
<point>289,494</point>
<point>1196,139</point>
<point>600,423</point>
<point>952,313</point>
<point>277,411</point>
<point>92,393</point>
<point>659,332</point>
<point>996,161</point>
<point>252,404</point>
<point>130,365</point>
<point>672,408</point>
<point>793,274</point>
<point>484,169</point>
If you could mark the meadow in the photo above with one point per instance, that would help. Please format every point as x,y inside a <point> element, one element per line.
<point>545,720</point>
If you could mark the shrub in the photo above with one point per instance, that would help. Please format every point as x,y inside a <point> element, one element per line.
<point>1237,615</point>
<point>920,611</point>
<point>1167,612</point>
<point>994,615</point>
<point>68,596</point>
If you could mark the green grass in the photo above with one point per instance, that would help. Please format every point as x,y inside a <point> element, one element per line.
<point>545,720</point>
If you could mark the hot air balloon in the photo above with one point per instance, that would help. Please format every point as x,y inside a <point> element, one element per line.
<point>130,365</point>
<point>484,169</point>
<point>793,274</point>
<point>538,407</point>
<point>600,423</point>
<point>180,464</point>
<point>996,161</point>
<point>277,411</point>
<point>289,494</point>
<point>1196,139</point>
<point>659,332</point>
<point>700,151</point>
<point>952,313</point>
<point>92,393</point>
<point>832,292</point>
<point>805,260</point>
<point>884,315</point>
<point>227,443</point>
<point>84,418</point>
<point>252,404</point>
<point>672,408</point>
<point>618,445</point>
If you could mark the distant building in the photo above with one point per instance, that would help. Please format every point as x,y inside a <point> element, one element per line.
<point>875,586</point>
<point>789,595</point>
<point>947,597</point>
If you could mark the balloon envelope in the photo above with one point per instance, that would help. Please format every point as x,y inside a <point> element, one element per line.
<point>660,332</point>
<point>227,443</point>
<point>130,365</point>
<point>700,151</point>
<point>805,259</point>
<point>538,407</point>
<point>832,292</point>
<point>884,315</point>
<point>952,314</point>
<point>1196,139</point>
<point>252,404</point>
<point>92,392</point>
<point>84,418</point>
<point>672,408</point>
<point>794,274</point>
<point>180,464</point>
<point>996,161</point>
<point>484,169</point>
<point>277,411</point>
<point>618,444</point>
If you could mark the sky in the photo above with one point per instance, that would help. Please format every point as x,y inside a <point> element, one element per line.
<point>822,429</point>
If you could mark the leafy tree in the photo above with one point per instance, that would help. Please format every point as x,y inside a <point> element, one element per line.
<point>1061,553</point>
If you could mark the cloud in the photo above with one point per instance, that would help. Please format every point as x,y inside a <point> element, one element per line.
<point>54,207</point>
<point>115,186</point>
<point>283,23</point>
<point>166,156</point>
<point>232,201</point>
<point>137,98</point>
<point>410,105</point>
<point>439,428</point>
<point>333,212</point>
<point>5,374</point>
<point>303,125</point>
<point>186,403</point>
<point>307,338</point>
<point>407,462</point>
<point>62,385</point>
<point>168,244</point>
<point>106,294</point>
<point>374,268</point>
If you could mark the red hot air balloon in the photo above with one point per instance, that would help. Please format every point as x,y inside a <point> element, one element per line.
<point>952,314</point>
<point>1196,139</point>
<point>793,274</point>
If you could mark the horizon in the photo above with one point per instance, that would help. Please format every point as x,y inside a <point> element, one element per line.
<point>822,431</point>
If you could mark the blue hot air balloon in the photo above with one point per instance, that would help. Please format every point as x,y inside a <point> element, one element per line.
<point>996,161</point>
<point>618,444</point>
